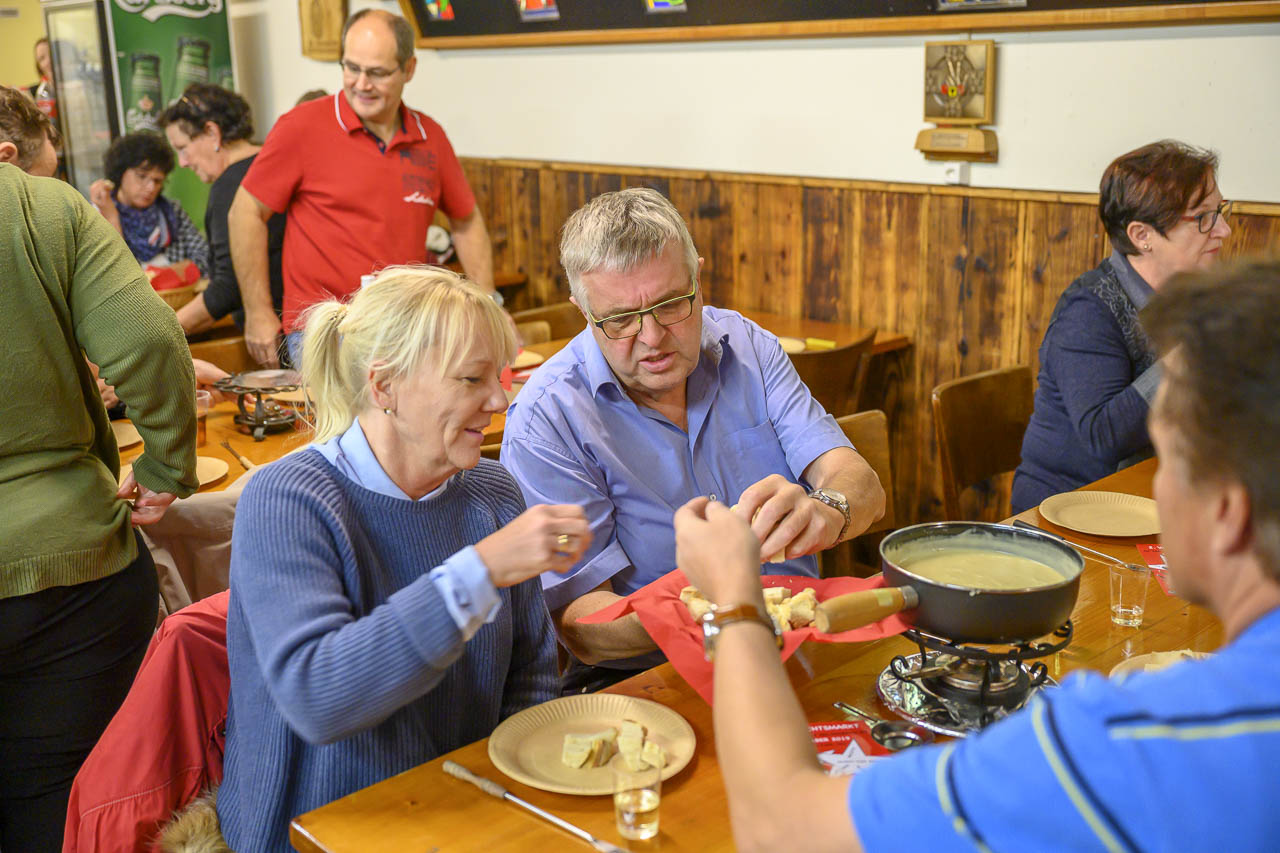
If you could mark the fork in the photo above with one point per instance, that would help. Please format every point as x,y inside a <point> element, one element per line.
<point>244,463</point>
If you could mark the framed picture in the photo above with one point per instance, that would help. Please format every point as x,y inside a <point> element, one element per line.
<point>959,82</point>
<point>322,22</point>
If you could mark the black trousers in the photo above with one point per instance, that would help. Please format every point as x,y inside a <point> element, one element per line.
<point>67,658</point>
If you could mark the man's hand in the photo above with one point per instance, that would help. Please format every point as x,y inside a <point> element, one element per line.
<point>718,552</point>
<point>207,374</point>
<point>787,520</point>
<point>262,337</point>
<point>542,538</point>
<point>107,393</point>
<point>148,506</point>
<point>100,195</point>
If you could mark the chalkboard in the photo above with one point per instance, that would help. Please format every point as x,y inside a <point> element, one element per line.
<point>483,23</point>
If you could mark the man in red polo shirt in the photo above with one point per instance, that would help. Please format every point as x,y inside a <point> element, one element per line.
<point>361,176</point>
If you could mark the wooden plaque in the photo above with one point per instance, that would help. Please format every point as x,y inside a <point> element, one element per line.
<point>322,22</point>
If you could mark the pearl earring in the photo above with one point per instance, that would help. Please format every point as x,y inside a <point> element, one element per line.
<point>386,411</point>
<point>1146,247</point>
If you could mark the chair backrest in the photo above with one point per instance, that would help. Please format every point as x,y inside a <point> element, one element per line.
<point>869,433</point>
<point>834,376</point>
<point>230,354</point>
<point>534,331</point>
<point>563,317</point>
<point>979,421</point>
<point>491,451</point>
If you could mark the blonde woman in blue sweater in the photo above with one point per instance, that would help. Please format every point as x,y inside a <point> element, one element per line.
<point>385,603</point>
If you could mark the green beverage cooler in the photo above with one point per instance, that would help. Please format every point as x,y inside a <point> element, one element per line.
<point>119,63</point>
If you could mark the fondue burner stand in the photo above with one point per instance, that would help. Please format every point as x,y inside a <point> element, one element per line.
<point>264,415</point>
<point>953,688</point>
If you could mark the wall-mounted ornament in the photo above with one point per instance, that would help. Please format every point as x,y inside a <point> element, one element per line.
<point>959,93</point>
<point>322,22</point>
<point>537,10</point>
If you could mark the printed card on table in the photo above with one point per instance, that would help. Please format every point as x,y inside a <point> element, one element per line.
<point>845,748</point>
<point>1154,556</point>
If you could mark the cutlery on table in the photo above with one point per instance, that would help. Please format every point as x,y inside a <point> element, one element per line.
<point>244,463</point>
<point>494,789</point>
<point>1097,555</point>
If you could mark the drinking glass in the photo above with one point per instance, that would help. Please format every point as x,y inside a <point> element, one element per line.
<point>636,796</point>
<point>1129,594</point>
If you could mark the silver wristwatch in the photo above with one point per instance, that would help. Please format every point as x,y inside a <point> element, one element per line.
<point>834,499</point>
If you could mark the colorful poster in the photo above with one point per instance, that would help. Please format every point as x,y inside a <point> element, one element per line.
<point>163,46</point>
<point>440,10</point>
<point>653,6</point>
<point>537,10</point>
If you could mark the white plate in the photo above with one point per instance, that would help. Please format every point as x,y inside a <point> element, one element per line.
<point>526,358</point>
<point>126,434</point>
<point>209,469</point>
<point>1154,661</point>
<point>296,397</point>
<point>791,346</point>
<point>1102,513</point>
<point>527,746</point>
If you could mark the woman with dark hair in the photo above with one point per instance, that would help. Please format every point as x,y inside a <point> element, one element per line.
<point>1164,214</point>
<point>158,230</point>
<point>210,128</point>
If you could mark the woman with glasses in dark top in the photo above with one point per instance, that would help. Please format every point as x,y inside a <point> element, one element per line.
<point>210,128</point>
<point>1164,214</point>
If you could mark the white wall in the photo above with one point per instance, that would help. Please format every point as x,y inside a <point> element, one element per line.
<point>1066,102</point>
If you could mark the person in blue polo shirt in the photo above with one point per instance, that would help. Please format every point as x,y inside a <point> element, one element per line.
<point>658,400</point>
<point>1180,759</point>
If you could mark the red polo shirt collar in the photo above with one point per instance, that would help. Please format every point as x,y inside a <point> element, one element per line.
<point>411,128</point>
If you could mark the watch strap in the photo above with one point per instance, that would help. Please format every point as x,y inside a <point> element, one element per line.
<point>722,616</point>
<point>821,496</point>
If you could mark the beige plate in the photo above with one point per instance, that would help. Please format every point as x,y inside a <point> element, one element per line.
<point>791,345</point>
<point>296,397</point>
<point>126,434</point>
<point>526,358</point>
<point>1102,513</point>
<point>1154,661</point>
<point>527,746</point>
<point>209,469</point>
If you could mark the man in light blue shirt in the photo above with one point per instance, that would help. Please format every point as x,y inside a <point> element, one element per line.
<point>662,399</point>
<point>1180,759</point>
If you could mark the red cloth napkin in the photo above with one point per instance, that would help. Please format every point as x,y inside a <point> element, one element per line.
<point>669,623</point>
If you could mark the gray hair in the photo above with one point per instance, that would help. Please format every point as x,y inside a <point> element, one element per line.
<point>390,324</point>
<point>399,28</point>
<point>619,231</point>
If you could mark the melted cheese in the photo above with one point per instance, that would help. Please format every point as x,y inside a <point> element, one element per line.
<point>978,569</point>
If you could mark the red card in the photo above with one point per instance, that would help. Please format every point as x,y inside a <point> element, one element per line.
<point>669,623</point>
<point>1154,556</point>
<point>846,747</point>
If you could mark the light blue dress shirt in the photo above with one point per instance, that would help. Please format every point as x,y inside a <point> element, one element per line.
<point>573,436</point>
<point>463,580</point>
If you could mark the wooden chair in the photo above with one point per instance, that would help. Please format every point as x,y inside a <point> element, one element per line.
<point>835,376</point>
<point>534,332</point>
<point>979,421</point>
<point>491,451</point>
<point>869,433</point>
<point>230,354</point>
<point>564,318</point>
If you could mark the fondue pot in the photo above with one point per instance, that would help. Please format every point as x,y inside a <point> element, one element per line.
<point>961,613</point>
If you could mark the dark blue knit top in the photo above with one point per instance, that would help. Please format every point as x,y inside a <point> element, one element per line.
<point>1097,378</point>
<point>346,668</point>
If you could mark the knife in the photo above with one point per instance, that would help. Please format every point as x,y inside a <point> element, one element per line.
<point>494,789</point>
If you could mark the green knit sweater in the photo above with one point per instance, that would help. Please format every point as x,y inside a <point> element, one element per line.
<point>69,288</point>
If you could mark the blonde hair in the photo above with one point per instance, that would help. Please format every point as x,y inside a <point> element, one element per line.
<point>389,325</point>
<point>617,232</point>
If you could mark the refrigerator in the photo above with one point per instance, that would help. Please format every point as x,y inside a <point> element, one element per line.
<point>118,63</point>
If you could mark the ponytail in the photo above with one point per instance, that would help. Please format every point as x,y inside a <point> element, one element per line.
<point>333,396</point>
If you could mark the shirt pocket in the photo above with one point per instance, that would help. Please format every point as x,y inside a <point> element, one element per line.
<point>751,455</point>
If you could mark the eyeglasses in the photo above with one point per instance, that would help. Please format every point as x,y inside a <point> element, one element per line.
<point>667,313</point>
<point>1205,221</point>
<point>375,74</point>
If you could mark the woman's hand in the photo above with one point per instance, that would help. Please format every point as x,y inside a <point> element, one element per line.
<point>148,506</point>
<point>543,537</point>
<point>207,374</point>
<point>100,194</point>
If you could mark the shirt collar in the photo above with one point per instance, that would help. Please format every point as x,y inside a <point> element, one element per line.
<point>352,455</point>
<point>715,340</point>
<point>411,129</point>
<point>1131,282</point>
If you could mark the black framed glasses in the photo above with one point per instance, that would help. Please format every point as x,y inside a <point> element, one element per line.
<point>667,313</point>
<point>1205,221</point>
<point>375,74</point>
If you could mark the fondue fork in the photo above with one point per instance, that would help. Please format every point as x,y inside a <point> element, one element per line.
<point>1097,555</point>
<point>244,463</point>
<point>493,789</point>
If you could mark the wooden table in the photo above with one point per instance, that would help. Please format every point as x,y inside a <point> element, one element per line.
<point>222,426</point>
<point>423,809</point>
<point>841,333</point>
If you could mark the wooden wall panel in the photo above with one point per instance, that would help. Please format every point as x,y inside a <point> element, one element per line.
<point>971,276</point>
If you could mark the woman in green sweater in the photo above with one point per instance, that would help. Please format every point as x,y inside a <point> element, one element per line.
<point>77,590</point>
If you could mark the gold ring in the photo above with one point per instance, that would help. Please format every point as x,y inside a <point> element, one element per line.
<point>562,541</point>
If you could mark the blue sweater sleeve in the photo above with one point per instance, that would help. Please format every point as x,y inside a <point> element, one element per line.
<point>1096,378</point>
<point>331,675</point>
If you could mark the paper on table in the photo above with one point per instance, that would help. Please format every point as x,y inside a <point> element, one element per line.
<point>668,622</point>
<point>1154,556</point>
<point>846,747</point>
